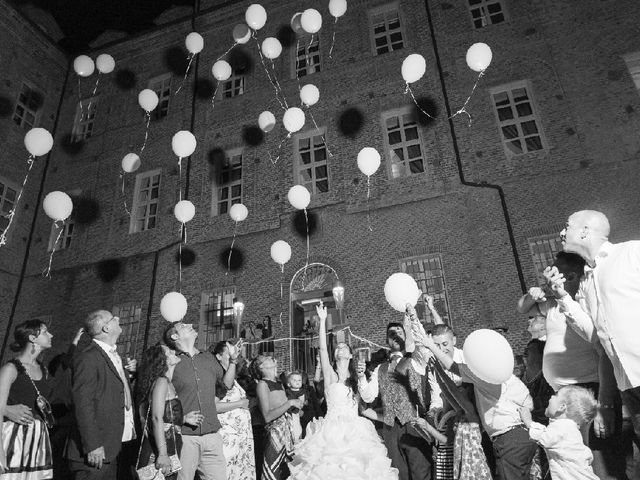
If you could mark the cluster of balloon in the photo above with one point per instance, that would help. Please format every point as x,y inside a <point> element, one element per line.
<point>148,100</point>
<point>337,8</point>
<point>84,66</point>
<point>194,43</point>
<point>173,307</point>
<point>368,163</point>
<point>413,69</point>
<point>129,164</point>
<point>299,198</point>
<point>238,213</point>
<point>221,71</point>
<point>309,96</point>
<point>38,142</point>
<point>478,59</point>
<point>58,207</point>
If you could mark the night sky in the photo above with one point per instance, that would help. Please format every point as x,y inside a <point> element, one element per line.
<point>82,21</point>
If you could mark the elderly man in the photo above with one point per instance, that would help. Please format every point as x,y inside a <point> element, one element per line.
<point>610,294</point>
<point>102,402</point>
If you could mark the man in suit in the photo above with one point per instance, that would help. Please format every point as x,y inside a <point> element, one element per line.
<point>102,402</point>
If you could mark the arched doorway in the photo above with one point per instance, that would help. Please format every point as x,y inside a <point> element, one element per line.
<point>309,285</point>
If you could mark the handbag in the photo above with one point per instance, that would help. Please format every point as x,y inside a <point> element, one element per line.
<point>150,472</point>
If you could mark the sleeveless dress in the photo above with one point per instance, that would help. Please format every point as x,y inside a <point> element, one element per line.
<point>237,438</point>
<point>278,442</point>
<point>172,418</point>
<point>341,445</point>
<point>27,447</point>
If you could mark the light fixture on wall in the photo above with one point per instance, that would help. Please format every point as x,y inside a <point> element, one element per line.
<point>238,310</point>
<point>338,294</point>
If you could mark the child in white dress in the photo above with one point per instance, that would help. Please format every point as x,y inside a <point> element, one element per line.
<point>569,410</point>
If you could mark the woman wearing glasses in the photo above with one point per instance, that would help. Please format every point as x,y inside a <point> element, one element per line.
<point>25,386</point>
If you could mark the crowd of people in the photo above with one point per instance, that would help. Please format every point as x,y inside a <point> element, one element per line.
<point>413,411</point>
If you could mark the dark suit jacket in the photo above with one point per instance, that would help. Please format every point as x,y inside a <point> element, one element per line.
<point>98,402</point>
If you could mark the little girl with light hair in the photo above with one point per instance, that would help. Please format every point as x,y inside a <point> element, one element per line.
<point>569,410</point>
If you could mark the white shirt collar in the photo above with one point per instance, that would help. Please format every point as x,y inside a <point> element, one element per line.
<point>109,349</point>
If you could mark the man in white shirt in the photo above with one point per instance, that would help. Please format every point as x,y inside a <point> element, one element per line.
<point>610,294</point>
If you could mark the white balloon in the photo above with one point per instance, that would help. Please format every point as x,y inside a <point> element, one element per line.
<point>337,8</point>
<point>296,26</point>
<point>368,161</point>
<point>57,205</point>
<point>183,143</point>
<point>266,121</point>
<point>271,48</point>
<point>413,68</point>
<point>311,20</point>
<point>241,33</point>
<point>309,95</point>
<point>173,307</point>
<point>194,42</point>
<point>83,65</point>
<point>148,100</point>
<point>38,141</point>
<point>221,70</point>
<point>238,212</point>
<point>130,162</point>
<point>281,252</point>
<point>299,197</point>
<point>105,63</point>
<point>489,356</point>
<point>293,119</point>
<point>479,57</point>
<point>401,289</point>
<point>256,16</point>
<point>184,211</point>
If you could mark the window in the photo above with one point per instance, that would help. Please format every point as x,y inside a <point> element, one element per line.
<point>633,64</point>
<point>404,143</point>
<point>307,57</point>
<point>234,86</point>
<point>8,196</point>
<point>486,12</point>
<point>144,212</point>
<point>216,316</point>
<point>517,118</point>
<point>386,31</point>
<point>229,185</point>
<point>311,161</point>
<point>61,235</point>
<point>129,314</point>
<point>27,107</point>
<point>428,273</point>
<point>543,251</point>
<point>162,86</point>
<point>85,117</point>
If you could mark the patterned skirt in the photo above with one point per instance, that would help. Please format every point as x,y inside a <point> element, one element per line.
<point>279,447</point>
<point>28,451</point>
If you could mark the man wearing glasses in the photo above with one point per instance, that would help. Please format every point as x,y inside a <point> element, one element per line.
<point>102,402</point>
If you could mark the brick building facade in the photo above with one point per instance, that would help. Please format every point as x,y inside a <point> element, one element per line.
<point>555,129</point>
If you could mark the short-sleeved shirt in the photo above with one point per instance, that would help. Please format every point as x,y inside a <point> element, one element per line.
<point>196,379</point>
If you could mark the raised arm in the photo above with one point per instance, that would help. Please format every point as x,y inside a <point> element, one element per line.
<point>531,299</point>
<point>437,319</point>
<point>329,374</point>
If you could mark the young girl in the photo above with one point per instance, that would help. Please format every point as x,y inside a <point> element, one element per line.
<point>569,409</point>
<point>294,390</point>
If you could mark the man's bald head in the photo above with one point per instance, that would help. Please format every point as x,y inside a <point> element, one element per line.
<point>94,322</point>
<point>593,220</point>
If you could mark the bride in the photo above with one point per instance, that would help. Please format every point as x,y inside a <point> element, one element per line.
<point>341,445</point>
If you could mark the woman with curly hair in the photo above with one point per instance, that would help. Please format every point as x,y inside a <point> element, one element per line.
<point>160,410</point>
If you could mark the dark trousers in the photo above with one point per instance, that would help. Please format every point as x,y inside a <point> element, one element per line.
<point>631,400</point>
<point>514,451</point>
<point>408,451</point>
<point>82,471</point>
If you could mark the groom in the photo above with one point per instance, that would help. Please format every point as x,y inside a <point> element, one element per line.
<point>402,392</point>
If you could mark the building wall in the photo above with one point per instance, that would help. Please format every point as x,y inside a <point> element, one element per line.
<point>584,97</point>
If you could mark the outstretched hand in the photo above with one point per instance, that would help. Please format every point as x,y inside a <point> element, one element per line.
<point>555,280</point>
<point>321,310</point>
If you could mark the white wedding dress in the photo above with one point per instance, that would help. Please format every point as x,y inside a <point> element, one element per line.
<point>341,445</point>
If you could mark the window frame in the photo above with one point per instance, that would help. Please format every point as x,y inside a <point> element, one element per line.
<point>207,330</point>
<point>6,184</point>
<point>79,133</point>
<point>66,237</point>
<point>538,259</point>
<point>161,111</point>
<point>217,185</point>
<point>400,113</point>
<point>536,115</point>
<point>36,114</point>
<point>298,165</point>
<point>303,42</point>
<point>135,204</point>
<point>234,76</point>
<point>126,345</point>
<point>384,9</point>
<point>483,5</point>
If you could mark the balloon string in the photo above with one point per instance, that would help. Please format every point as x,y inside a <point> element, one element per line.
<point>368,206</point>
<point>304,275</point>
<point>180,179</point>
<point>463,109</point>
<point>47,271</point>
<point>333,37</point>
<point>182,235</point>
<point>322,134</point>
<point>93,94</point>
<point>124,196</point>
<point>146,131</point>
<point>279,87</point>
<point>190,57</point>
<point>305,63</point>
<point>11,214</point>
<point>264,65</point>
<point>80,97</point>
<point>408,90</point>
<point>227,52</point>
<point>235,229</point>
<point>310,42</point>
<point>280,148</point>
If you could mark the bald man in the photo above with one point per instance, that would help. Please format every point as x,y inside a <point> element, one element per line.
<point>610,294</point>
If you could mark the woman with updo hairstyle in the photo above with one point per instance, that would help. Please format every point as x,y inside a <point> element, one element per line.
<point>25,387</point>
